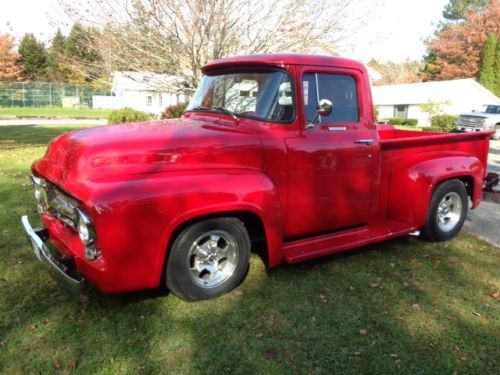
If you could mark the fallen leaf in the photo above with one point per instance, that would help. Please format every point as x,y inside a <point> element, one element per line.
<point>375,285</point>
<point>397,361</point>
<point>393,355</point>
<point>496,295</point>
<point>476,313</point>
<point>57,365</point>
<point>3,343</point>
<point>259,335</point>
<point>363,332</point>
<point>74,364</point>
<point>357,353</point>
<point>416,306</point>
<point>238,293</point>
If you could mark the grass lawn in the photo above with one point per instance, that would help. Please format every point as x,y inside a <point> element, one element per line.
<point>54,112</point>
<point>404,306</point>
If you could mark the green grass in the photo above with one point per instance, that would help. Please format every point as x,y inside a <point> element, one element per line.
<point>404,306</point>
<point>54,112</point>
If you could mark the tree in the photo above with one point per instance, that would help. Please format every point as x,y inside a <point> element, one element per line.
<point>10,68</point>
<point>33,57</point>
<point>80,56</point>
<point>180,36</point>
<point>433,108</point>
<point>456,50</point>
<point>55,69</point>
<point>487,74</point>
<point>456,9</point>
<point>496,68</point>
<point>393,73</point>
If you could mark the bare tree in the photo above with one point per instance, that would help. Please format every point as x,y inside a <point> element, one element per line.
<point>180,36</point>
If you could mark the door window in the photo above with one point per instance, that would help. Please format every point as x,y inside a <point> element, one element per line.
<point>339,89</point>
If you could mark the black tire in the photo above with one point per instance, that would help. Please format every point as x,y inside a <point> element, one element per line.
<point>194,249</point>
<point>453,194</point>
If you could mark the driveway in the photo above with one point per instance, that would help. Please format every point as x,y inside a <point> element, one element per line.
<point>485,220</point>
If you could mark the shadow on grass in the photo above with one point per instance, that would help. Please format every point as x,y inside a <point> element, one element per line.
<point>394,307</point>
<point>33,135</point>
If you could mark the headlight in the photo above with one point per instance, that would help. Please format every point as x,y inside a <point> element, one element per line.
<point>42,200</point>
<point>87,234</point>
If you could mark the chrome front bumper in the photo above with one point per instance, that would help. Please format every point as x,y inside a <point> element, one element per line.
<point>61,268</point>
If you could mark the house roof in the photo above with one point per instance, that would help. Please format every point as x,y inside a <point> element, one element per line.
<point>145,81</point>
<point>436,91</point>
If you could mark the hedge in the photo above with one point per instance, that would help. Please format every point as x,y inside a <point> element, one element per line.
<point>402,121</point>
<point>128,114</point>
<point>174,111</point>
<point>445,123</point>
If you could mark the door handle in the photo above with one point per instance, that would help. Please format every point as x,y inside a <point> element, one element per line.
<point>367,142</point>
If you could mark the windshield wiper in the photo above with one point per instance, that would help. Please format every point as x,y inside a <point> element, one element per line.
<point>225,110</point>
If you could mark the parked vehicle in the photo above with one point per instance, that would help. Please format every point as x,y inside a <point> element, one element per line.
<point>489,119</point>
<point>274,150</point>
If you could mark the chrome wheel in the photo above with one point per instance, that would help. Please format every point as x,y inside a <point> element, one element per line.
<point>449,212</point>
<point>212,258</point>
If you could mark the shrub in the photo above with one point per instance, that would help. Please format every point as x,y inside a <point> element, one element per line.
<point>402,121</point>
<point>431,129</point>
<point>174,111</point>
<point>445,123</point>
<point>128,114</point>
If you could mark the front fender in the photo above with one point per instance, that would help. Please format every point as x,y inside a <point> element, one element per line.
<point>412,184</point>
<point>136,219</point>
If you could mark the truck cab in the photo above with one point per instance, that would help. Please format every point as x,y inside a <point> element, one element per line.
<point>279,152</point>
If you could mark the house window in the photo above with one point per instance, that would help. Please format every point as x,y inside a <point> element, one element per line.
<point>401,111</point>
<point>149,100</point>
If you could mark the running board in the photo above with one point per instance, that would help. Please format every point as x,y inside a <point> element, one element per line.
<point>309,248</point>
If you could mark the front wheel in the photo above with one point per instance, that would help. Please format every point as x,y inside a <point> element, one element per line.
<point>208,259</point>
<point>447,211</point>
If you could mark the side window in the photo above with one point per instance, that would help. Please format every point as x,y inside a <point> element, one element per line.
<point>339,89</point>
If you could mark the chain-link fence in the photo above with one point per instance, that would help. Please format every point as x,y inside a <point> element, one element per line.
<point>48,94</point>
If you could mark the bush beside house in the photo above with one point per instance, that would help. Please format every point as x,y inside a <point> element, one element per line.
<point>128,114</point>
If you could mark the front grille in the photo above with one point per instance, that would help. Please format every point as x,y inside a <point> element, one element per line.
<point>471,121</point>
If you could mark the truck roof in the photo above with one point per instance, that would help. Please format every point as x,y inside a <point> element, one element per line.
<point>284,59</point>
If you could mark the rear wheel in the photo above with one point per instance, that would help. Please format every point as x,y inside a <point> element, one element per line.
<point>208,259</point>
<point>447,211</point>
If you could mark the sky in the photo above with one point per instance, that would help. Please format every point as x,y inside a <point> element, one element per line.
<point>394,31</point>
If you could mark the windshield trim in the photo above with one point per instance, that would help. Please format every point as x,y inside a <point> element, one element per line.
<point>252,69</point>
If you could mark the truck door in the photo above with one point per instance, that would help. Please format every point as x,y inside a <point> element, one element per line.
<point>333,166</point>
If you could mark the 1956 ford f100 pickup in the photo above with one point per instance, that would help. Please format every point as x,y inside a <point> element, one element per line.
<point>281,150</point>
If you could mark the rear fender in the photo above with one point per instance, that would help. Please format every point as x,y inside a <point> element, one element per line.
<point>411,186</point>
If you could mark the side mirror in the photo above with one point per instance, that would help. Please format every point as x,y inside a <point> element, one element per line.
<point>325,108</point>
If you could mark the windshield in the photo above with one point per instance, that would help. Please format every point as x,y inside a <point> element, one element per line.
<point>265,95</point>
<point>493,109</point>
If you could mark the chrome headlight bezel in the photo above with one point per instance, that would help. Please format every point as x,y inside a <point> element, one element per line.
<point>41,196</point>
<point>86,232</point>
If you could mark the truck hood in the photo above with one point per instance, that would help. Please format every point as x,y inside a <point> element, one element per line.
<point>113,152</point>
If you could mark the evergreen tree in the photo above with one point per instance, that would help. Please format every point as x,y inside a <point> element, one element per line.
<point>80,52</point>
<point>496,69</point>
<point>56,66</point>
<point>487,72</point>
<point>33,57</point>
<point>456,9</point>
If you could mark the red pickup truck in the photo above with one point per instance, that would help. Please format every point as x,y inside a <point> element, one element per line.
<point>280,150</point>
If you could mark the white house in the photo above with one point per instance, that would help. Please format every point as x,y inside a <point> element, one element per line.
<point>143,91</point>
<point>454,97</point>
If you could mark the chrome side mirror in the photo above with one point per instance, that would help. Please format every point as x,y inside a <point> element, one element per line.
<point>325,108</point>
